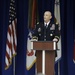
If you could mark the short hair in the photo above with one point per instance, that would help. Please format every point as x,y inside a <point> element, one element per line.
<point>48,12</point>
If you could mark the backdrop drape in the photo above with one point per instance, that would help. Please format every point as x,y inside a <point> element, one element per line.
<point>67,65</point>
<point>4,22</point>
<point>67,19</point>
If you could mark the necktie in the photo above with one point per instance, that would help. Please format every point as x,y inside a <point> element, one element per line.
<point>46,25</point>
<point>45,29</point>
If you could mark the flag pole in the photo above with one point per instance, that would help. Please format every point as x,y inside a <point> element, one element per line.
<point>59,60</point>
<point>57,16</point>
<point>14,66</point>
<point>58,67</point>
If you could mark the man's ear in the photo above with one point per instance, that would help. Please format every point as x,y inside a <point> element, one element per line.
<point>51,17</point>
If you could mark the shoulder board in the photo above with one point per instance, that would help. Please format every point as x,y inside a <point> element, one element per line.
<point>37,23</point>
<point>57,23</point>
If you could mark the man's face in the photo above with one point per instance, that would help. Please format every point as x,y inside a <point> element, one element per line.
<point>47,16</point>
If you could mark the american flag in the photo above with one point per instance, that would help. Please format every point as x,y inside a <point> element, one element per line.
<point>11,42</point>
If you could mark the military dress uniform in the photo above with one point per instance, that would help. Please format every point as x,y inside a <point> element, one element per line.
<point>46,33</point>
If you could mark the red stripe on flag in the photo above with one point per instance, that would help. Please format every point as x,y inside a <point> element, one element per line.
<point>9,45</point>
<point>11,42</point>
<point>14,35</point>
<point>9,30</point>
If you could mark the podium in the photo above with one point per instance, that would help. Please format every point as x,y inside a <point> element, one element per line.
<point>45,53</point>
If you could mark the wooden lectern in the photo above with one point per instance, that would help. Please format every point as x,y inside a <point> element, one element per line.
<point>45,53</point>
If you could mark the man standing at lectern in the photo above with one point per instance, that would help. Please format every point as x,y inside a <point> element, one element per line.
<point>47,31</point>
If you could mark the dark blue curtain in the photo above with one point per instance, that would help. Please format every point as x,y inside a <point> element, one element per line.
<point>22,17</point>
<point>22,31</point>
<point>4,21</point>
<point>67,21</point>
<point>45,5</point>
<point>67,66</point>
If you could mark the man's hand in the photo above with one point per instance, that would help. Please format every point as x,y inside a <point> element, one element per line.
<point>55,39</point>
<point>34,40</point>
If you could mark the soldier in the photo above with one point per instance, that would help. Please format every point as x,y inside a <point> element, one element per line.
<point>47,31</point>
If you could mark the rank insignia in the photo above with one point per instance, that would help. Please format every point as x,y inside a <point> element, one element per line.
<point>39,29</point>
<point>51,34</point>
<point>39,34</point>
<point>52,27</point>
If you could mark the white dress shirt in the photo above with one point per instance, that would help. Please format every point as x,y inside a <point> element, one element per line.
<point>46,23</point>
